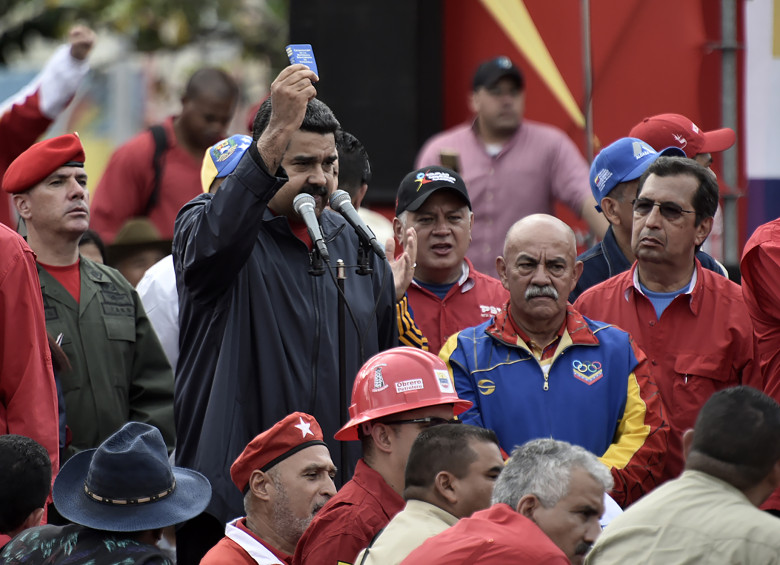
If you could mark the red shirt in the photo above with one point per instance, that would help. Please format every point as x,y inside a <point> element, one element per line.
<point>474,299</point>
<point>68,276</point>
<point>28,395</point>
<point>497,535</point>
<point>126,185</point>
<point>702,343</point>
<point>350,520</point>
<point>760,269</point>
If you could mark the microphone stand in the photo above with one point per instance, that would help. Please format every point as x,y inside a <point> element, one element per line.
<point>316,266</point>
<point>341,277</point>
<point>364,251</point>
<point>363,268</point>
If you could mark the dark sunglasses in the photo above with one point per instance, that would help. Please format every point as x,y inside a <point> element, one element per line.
<point>425,422</point>
<point>669,210</point>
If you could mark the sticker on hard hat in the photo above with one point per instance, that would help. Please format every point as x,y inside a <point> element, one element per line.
<point>443,379</point>
<point>411,384</point>
<point>379,381</point>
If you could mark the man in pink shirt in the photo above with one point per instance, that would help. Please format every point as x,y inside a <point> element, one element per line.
<point>513,166</point>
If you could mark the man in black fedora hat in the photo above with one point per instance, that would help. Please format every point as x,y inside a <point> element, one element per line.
<point>119,497</point>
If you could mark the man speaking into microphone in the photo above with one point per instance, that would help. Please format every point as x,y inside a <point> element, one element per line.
<point>259,333</point>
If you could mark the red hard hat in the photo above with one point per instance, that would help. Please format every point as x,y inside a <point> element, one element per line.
<point>398,380</point>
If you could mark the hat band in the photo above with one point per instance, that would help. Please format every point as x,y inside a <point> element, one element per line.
<point>129,501</point>
<point>291,452</point>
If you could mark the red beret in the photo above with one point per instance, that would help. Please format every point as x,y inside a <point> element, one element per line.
<point>41,160</point>
<point>285,438</point>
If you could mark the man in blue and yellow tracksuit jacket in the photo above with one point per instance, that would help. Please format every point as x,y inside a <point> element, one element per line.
<point>593,389</point>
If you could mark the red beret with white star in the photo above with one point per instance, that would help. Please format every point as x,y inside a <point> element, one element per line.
<point>287,437</point>
<point>41,160</point>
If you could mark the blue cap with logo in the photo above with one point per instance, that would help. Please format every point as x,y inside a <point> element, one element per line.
<point>622,161</point>
<point>222,158</point>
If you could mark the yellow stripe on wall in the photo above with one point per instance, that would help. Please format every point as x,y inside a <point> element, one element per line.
<point>776,29</point>
<point>514,19</point>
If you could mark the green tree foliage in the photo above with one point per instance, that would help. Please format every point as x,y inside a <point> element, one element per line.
<point>151,25</point>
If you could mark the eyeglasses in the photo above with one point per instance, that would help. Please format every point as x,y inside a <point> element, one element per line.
<point>425,422</point>
<point>669,210</point>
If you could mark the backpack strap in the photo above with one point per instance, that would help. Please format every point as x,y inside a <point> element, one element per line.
<point>160,146</point>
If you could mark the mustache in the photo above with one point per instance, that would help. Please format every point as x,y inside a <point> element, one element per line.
<point>582,548</point>
<point>534,291</point>
<point>314,190</point>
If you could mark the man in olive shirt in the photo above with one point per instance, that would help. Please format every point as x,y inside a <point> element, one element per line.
<point>118,371</point>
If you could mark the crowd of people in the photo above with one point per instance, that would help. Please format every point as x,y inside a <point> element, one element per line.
<point>260,371</point>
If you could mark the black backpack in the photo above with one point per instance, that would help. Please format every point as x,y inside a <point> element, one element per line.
<point>160,146</point>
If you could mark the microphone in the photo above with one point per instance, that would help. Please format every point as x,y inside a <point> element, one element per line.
<point>303,204</point>
<point>341,203</point>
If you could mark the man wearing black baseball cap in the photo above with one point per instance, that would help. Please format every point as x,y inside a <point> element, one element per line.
<point>513,166</point>
<point>447,294</point>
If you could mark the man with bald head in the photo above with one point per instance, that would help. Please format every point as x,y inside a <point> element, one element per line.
<point>541,369</point>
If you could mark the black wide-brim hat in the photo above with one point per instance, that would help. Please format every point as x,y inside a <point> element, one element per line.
<point>127,484</point>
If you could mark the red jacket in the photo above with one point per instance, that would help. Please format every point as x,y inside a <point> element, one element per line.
<point>497,535</point>
<point>350,520</point>
<point>28,394</point>
<point>474,299</point>
<point>240,545</point>
<point>702,343</point>
<point>760,269</point>
<point>126,185</point>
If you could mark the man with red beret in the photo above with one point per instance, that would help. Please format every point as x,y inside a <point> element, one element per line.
<point>118,372</point>
<point>397,393</point>
<point>28,113</point>
<point>286,476</point>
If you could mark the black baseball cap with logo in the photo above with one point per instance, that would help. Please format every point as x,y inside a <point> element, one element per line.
<point>490,72</point>
<point>418,185</point>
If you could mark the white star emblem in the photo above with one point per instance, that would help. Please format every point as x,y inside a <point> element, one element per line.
<point>304,427</point>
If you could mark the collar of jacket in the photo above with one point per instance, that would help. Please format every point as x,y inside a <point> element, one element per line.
<point>578,329</point>
<point>695,295</point>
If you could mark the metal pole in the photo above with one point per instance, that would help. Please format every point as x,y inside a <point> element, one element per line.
<point>341,277</point>
<point>729,46</point>
<point>587,70</point>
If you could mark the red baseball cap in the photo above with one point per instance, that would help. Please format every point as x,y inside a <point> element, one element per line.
<point>42,159</point>
<point>665,130</point>
<point>287,437</point>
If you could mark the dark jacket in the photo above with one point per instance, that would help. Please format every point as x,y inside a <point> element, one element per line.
<point>259,334</point>
<point>606,259</point>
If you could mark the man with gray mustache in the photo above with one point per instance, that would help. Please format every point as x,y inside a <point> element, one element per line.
<point>541,369</point>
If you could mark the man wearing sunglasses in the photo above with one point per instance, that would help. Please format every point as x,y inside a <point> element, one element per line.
<point>397,394</point>
<point>614,178</point>
<point>691,323</point>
